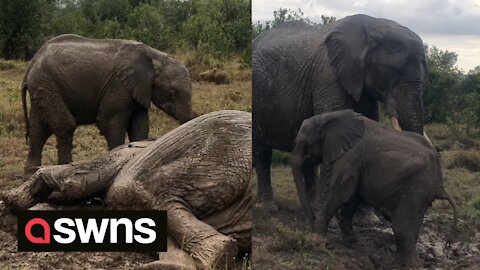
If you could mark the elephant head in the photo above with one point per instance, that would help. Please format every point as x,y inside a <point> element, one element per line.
<point>322,139</point>
<point>381,59</point>
<point>154,76</point>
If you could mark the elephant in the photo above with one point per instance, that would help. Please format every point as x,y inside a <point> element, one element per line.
<point>200,173</point>
<point>300,70</point>
<point>397,172</point>
<point>75,81</point>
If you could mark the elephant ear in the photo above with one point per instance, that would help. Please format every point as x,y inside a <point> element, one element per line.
<point>134,68</point>
<point>339,134</point>
<point>347,47</point>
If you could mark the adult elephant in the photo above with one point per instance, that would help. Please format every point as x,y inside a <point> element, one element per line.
<point>300,70</point>
<point>74,81</point>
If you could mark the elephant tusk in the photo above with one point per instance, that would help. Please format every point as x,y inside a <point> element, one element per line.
<point>426,137</point>
<point>395,123</point>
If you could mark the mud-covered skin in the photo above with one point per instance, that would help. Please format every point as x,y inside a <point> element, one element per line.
<point>398,173</point>
<point>75,81</point>
<point>200,173</point>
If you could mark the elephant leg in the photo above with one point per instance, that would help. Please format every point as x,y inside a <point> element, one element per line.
<point>114,130</point>
<point>53,111</point>
<point>341,192</point>
<point>263,160</point>
<point>209,248</point>
<point>39,133</point>
<point>406,222</point>
<point>64,144</point>
<point>138,126</point>
<point>345,219</point>
<point>114,114</point>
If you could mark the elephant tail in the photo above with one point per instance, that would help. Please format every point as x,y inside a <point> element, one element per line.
<point>444,195</point>
<point>25,111</point>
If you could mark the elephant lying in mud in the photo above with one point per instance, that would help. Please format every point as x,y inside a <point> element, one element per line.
<point>75,81</point>
<point>200,173</point>
<point>398,173</point>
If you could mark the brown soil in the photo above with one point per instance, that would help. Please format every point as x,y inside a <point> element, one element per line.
<point>281,241</point>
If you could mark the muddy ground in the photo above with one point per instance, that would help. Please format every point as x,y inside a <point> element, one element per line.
<point>281,240</point>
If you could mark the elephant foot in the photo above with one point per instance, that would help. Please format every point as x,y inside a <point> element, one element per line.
<point>215,252</point>
<point>267,205</point>
<point>401,263</point>
<point>18,199</point>
<point>349,238</point>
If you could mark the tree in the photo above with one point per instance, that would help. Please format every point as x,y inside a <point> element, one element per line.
<point>441,85</point>
<point>22,24</point>
<point>281,15</point>
<point>328,19</point>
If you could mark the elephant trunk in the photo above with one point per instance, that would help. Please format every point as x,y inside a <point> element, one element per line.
<point>410,113</point>
<point>408,108</point>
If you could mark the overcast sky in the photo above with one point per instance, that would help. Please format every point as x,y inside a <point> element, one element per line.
<point>448,24</point>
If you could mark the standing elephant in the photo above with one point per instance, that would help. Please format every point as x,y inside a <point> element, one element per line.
<point>300,70</point>
<point>396,172</point>
<point>74,81</point>
<point>200,173</point>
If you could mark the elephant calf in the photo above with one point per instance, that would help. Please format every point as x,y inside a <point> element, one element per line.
<point>75,81</point>
<point>396,172</point>
<point>200,173</point>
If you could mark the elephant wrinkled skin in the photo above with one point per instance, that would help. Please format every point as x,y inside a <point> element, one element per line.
<point>74,81</point>
<point>200,173</point>
<point>300,70</point>
<point>396,172</point>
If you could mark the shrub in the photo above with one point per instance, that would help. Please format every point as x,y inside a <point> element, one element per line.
<point>466,159</point>
<point>216,76</point>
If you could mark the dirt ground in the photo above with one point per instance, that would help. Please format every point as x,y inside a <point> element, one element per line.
<point>281,239</point>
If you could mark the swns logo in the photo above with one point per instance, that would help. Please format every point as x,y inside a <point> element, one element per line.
<point>92,231</point>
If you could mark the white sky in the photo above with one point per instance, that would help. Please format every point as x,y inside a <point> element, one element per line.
<point>452,25</point>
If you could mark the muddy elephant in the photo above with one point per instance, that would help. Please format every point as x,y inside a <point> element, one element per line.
<point>200,173</point>
<point>74,81</point>
<point>396,172</point>
<point>300,70</point>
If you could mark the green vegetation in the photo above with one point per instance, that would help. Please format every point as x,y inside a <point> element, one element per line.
<point>284,15</point>
<point>449,95</point>
<point>219,29</point>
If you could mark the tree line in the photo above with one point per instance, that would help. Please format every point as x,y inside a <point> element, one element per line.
<point>221,28</point>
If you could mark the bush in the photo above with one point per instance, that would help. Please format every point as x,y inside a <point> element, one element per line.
<point>215,75</point>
